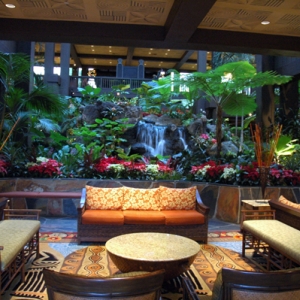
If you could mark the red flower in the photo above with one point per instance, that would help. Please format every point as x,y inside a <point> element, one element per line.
<point>3,166</point>
<point>50,168</point>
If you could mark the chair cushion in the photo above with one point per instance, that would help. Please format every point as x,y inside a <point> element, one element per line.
<point>14,235</point>
<point>143,217</point>
<point>238,294</point>
<point>107,217</point>
<point>285,201</point>
<point>181,199</point>
<point>104,198</point>
<point>183,217</point>
<point>141,199</point>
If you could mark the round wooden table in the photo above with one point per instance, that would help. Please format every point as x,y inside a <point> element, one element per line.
<point>149,251</point>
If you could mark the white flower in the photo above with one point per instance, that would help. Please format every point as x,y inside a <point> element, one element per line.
<point>228,173</point>
<point>41,159</point>
<point>203,170</point>
<point>152,168</point>
<point>116,167</point>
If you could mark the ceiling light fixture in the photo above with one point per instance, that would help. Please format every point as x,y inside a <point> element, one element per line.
<point>10,5</point>
<point>265,22</point>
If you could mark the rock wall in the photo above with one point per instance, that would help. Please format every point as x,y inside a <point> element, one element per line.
<point>224,201</point>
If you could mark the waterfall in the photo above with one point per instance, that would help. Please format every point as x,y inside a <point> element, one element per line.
<point>152,136</point>
<point>182,137</point>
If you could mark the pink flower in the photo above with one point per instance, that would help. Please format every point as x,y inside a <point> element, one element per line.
<point>204,136</point>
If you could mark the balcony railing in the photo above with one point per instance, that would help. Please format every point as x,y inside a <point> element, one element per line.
<point>105,83</point>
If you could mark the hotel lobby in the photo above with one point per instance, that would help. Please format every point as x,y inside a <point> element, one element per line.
<point>132,43</point>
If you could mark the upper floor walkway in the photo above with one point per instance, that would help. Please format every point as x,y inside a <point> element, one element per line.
<point>106,84</point>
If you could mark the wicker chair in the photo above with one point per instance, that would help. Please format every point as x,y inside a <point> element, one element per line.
<point>234,284</point>
<point>3,204</point>
<point>134,286</point>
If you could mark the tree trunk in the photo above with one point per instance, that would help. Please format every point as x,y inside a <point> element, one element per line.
<point>219,130</point>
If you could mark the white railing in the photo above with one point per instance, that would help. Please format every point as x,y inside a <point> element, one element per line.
<point>105,83</point>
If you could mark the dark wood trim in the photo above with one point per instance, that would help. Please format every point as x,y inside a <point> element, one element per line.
<point>146,36</point>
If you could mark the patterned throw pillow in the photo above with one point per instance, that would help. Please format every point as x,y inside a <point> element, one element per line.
<point>104,198</point>
<point>141,199</point>
<point>285,201</point>
<point>178,198</point>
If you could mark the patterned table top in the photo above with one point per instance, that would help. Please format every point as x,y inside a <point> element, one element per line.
<point>150,246</point>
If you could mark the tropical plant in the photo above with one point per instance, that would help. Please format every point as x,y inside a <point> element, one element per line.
<point>89,93</point>
<point>25,112</point>
<point>221,58</point>
<point>285,147</point>
<point>225,86</point>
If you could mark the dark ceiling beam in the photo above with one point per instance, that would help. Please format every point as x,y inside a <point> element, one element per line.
<point>109,57</point>
<point>130,51</point>
<point>184,18</point>
<point>78,32</point>
<point>184,59</point>
<point>75,56</point>
<point>254,43</point>
<point>146,37</point>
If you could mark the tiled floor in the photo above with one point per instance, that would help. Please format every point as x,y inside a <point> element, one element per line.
<point>69,224</point>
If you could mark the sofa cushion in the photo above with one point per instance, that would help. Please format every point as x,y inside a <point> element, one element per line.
<point>143,217</point>
<point>105,217</point>
<point>104,198</point>
<point>181,199</point>
<point>183,217</point>
<point>285,201</point>
<point>141,199</point>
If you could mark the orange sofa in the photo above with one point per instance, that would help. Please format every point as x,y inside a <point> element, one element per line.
<point>107,212</point>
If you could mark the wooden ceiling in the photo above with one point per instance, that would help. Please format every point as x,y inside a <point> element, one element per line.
<point>164,33</point>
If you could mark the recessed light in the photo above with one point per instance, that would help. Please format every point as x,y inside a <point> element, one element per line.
<point>10,5</point>
<point>265,22</point>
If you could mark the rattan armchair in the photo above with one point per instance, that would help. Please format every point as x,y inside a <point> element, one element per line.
<point>234,284</point>
<point>137,285</point>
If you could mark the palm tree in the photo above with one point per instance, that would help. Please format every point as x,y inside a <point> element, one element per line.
<point>18,106</point>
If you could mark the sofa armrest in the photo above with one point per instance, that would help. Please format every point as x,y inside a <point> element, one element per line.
<point>284,207</point>
<point>81,207</point>
<point>200,207</point>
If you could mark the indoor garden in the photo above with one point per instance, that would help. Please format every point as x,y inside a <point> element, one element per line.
<point>156,135</point>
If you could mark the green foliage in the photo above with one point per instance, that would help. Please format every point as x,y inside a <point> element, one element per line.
<point>89,93</point>
<point>225,87</point>
<point>285,147</point>
<point>292,162</point>
<point>25,115</point>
